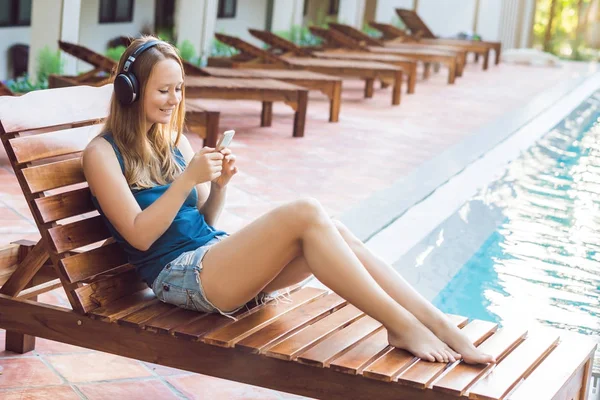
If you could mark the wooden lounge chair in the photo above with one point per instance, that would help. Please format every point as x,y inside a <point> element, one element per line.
<point>276,42</point>
<point>367,71</point>
<point>420,30</point>
<point>393,35</point>
<point>337,39</point>
<point>266,91</point>
<point>315,345</point>
<point>403,47</point>
<point>330,86</point>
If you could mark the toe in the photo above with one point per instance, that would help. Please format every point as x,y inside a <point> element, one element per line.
<point>438,356</point>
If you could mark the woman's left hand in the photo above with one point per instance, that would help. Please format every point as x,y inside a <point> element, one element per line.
<point>229,168</point>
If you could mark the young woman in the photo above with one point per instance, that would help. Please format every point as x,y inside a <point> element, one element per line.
<point>161,200</point>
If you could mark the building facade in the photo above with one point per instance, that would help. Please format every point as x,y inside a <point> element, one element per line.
<point>93,23</point>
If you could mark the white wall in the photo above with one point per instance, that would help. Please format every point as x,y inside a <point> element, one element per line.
<point>96,36</point>
<point>286,13</point>
<point>447,17</point>
<point>249,14</point>
<point>385,11</point>
<point>8,37</point>
<point>488,23</point>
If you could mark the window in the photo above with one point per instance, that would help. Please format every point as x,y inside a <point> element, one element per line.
<point>334,7</point>
<point>116,11</point>
<point>305,8</point>
<point>227,8</point>
<point>15,12</point>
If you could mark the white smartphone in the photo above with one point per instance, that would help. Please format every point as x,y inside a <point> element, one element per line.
<point>225,139</point>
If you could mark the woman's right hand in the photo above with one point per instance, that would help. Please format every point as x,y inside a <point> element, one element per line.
<point>205,166</point>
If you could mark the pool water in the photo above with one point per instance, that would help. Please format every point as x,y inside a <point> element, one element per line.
<point>542,264</point>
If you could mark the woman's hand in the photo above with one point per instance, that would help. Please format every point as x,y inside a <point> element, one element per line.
<point>205,166</point>
<point>229,169</point>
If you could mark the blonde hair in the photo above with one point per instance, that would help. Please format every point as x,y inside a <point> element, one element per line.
<point>147,154</point>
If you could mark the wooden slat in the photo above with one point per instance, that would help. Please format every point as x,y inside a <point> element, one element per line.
<point>422,373</point>
<point>394,362</point>
<point>556,370</point>
<point>80,267</point>
<point>125,306</point>
<point>53,144</point>
<point>354,361</point>
<point>301,341</point>
<point>54,175</point>
<point>390,365</point>
<point>65,205</point>
<point>462,377</point>
<point>341,341</point>
<point>9,256</point>
<point>102,293</point>
<point>514,367</point>
<point>153,310</point>
<point>77,234</point>
<point>290,323</point>
<point>54,107</point>
<point>169,321</point>
<point>31,292</point>
<point>238,330</point>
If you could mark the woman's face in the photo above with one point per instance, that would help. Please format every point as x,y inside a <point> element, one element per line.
<point>163,92</point>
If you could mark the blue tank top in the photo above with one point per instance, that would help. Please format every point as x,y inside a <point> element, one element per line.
<point>187,232</point>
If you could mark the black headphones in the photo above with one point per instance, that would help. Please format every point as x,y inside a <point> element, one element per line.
<point>126,85</point>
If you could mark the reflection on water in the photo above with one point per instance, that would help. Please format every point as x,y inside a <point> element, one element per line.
<point>542,265</point>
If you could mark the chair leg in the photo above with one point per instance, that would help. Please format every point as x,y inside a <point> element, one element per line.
<point>486,59</point>
<point>266,117</point>
<point>212,128</point>
<point>369,83</point>
<point>19,342</point>
<point>335,102</point>
<point>300,115</point>
<point>476,57</point>
<point>426,70</point>
<point>397,90</point>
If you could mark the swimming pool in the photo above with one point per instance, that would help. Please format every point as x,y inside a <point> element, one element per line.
<point>540,264</point>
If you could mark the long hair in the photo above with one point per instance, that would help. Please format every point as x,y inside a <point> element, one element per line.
<point>147,154</point>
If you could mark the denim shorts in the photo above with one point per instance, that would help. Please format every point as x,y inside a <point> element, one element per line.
<point>179,282</point>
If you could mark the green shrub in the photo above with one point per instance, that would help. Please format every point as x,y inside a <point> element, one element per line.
<point>49,62</point>
<point>22,84</point>
<point>220,49</point>
<point>115,53</point>
<point>186,50</point>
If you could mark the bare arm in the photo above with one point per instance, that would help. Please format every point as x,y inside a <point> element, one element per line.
<point>211,198</point>
<point>139,228</point>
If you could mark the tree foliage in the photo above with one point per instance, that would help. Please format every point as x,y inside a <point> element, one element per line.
<point>564,33</point>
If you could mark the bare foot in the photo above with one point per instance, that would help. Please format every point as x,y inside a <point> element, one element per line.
<point>422,343</point>
<point>451,335</point>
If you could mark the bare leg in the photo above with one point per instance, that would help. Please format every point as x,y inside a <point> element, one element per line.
<point>397,287</point>
<point>239,267</point>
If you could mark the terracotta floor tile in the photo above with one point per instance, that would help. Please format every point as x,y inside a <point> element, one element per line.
<point>96,366</point>
<point>201,387</point>
<point>18,372</point>
<point>136,390</point>
<point>46,393</point>
<point>165,371</point>
<point>48,347</point>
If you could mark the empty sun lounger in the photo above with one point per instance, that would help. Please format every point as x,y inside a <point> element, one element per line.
<point>315,345</point>
<point>330,86</point>
<point>408,66</point>
<point>367,71</point>
<point>266,92</point>
<point>339,40</point>
<point>420,30</point>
